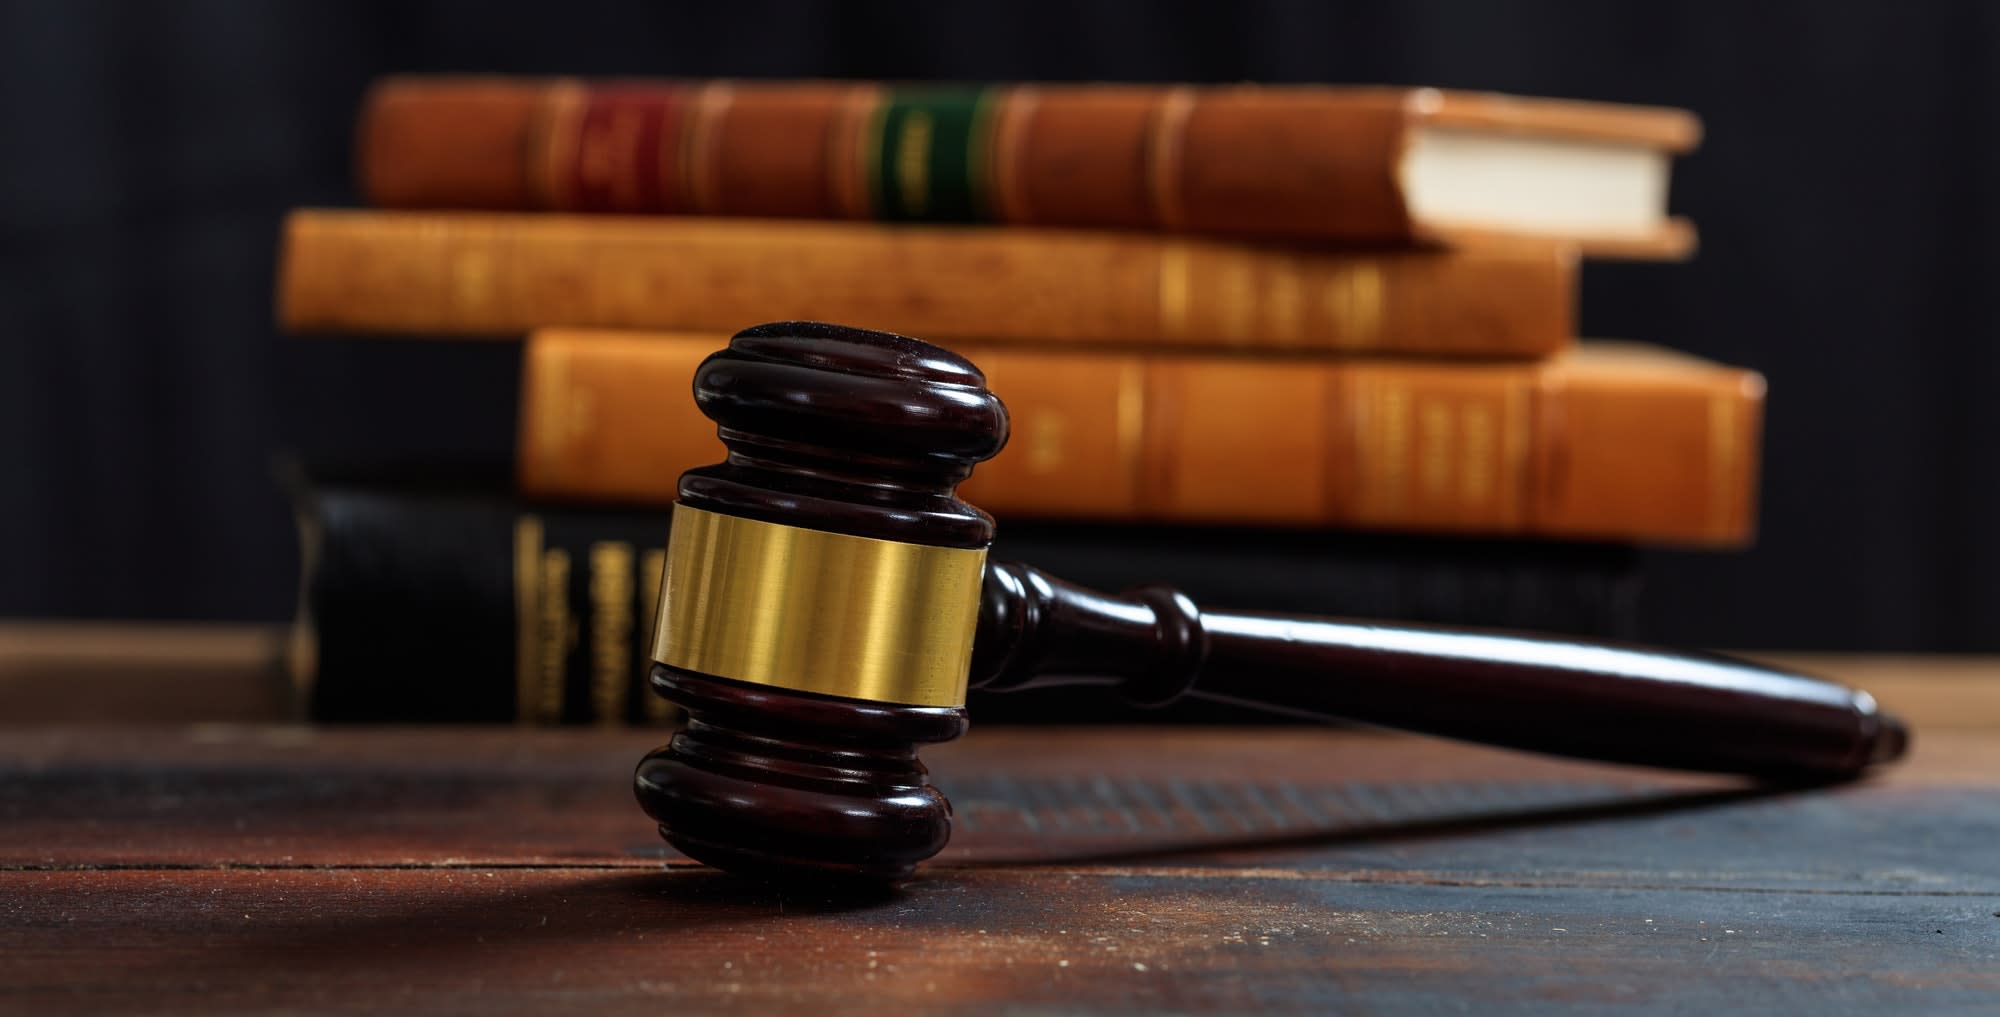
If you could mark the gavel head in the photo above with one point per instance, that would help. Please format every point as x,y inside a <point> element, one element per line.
<point>818,603</point>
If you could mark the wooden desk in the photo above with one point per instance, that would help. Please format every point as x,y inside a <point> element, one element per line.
<point>219,868</point>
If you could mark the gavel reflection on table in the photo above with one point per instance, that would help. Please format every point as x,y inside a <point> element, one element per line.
<point>827,602</point>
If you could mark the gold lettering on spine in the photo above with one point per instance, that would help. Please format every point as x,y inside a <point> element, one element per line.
<point>652,568</point>
<point>527,613</point>
<point>913,162</point>
<point>471,290</point>
<point>1354,296</point>
<point>1175,278</point>
<point>1392,454</point>
<point>610,630</point>
<point>554,636</point>
<point>1132,424</point>
<point>1048,439</point>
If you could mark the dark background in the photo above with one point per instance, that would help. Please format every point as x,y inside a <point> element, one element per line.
<point>147,151</point>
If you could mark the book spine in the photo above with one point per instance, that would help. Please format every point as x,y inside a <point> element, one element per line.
<point>1662,449</point>
<point>485,274</point>
<point>466,609</point>
<point>440,608</point>
<point>1227,160</point>
<point>1667,450</point>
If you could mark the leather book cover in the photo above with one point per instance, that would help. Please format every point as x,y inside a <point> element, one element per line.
<point>1305,162</point>
<point>1611,441</point>
<point>491,274</point>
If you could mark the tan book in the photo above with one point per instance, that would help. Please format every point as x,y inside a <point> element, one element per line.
<point>496,274</point>
<point>1374,166</point>
<point>1614,441</point>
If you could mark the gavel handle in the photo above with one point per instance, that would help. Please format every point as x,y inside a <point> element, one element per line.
<point>1627,704</point>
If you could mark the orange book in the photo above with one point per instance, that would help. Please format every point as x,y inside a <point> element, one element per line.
<point>1372,166</point>
<point>1613,441</point>
<point>495,274</point>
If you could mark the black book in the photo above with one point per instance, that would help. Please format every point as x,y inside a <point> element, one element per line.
<point>421,606</point>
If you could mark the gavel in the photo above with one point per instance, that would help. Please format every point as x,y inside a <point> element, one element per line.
<point>827,602</point>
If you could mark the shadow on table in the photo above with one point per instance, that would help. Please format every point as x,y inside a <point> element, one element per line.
<point>1010,821</point>
<point>429,922</point>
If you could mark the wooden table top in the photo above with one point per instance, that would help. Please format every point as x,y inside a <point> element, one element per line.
<point>217,868</point>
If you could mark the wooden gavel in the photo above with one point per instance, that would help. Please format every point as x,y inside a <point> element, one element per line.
<point>827,602</point>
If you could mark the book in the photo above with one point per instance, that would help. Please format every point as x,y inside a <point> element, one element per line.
<point>1609,441</point>
<point>438,608</point>
<point>497,274</point>
<point>1368,165</point>
<point>430,606</point>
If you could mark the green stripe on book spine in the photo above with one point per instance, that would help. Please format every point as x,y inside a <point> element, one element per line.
<point>930,155</point>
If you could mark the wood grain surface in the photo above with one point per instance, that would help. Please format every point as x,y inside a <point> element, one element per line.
<point>222,868</point>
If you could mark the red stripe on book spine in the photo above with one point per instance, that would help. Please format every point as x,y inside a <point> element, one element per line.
<point>627,152</point>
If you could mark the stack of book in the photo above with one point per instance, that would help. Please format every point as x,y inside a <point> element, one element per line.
<point>1304,348</point>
